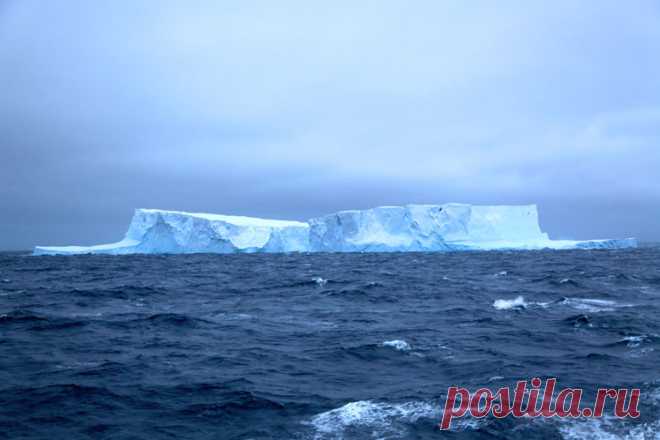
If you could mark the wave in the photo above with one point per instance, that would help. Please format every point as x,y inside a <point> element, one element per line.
<point>368,419</point>
<point>375,352</point>
<point>397,344</point>
<point>366,285</point>
<point>18,316</point>
<point>653,281</point>
<point>363,293</point>
<point>634,341</point>
<point>56,394</point>
<point>565,282</point>
<point>625,278</point>
<point>609,429</point>
<point>346,292</point>
<point>60,324</point>
<point>124,291</point>
<point>592,305</point>
<point>509,304</point>
<point>233,402</point>
<point>173,319</point>
<point>383,420</point>
<point>36,322</point>
<point>320,281</point>
<point>104,370</point>
<point>132,320</point>
<point>580,320</point>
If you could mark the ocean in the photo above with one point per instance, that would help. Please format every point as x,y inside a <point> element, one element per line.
<point>320,346</point>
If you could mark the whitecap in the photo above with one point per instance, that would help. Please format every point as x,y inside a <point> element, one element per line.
<point>373,419</point>
<point>495,378</point>
<point>320,281</point>
<point>545,305</point>
<point>634,341</point>
<point>609,429</point>
<point>508,304</point>
<point>593,305</point>
<point>397,344</point>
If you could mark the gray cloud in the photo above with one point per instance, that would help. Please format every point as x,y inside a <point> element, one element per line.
<point>292,109</point>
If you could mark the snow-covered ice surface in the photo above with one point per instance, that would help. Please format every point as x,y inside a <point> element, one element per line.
<point>448,227</point>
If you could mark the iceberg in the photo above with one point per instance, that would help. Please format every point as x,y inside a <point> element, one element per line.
<point>448,227</point>
<point>410,228</point>
<point>155,231</point>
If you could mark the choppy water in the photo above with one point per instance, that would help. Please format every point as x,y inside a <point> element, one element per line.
<point>320,346</point>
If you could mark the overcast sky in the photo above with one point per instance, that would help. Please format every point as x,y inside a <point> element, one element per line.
<point>290,109</point>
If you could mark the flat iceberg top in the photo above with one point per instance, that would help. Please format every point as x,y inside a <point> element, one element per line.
<point>234,219</point>
<point>409,228</point>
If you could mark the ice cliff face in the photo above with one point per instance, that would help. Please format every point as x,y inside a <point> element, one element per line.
<point>446,227</point>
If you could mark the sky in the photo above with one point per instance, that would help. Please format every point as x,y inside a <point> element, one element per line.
<point>293,109</point>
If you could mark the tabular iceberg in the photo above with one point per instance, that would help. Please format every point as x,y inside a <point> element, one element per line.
<point>154,231</point>
<point>448,227</point>
<point>452,226</point>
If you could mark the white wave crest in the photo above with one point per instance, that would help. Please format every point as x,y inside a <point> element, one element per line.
<point>372,419</point>
<point>320,281</point>
<point>634,341</point>
<point>397,344</point>
<point>593,305</point>
<point>508,304</point>
<point>609,429</point>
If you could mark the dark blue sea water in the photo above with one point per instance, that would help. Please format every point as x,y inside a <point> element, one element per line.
<point>319,346</point>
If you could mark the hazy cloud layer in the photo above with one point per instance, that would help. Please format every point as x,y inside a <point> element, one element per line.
<point>291,109</point>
